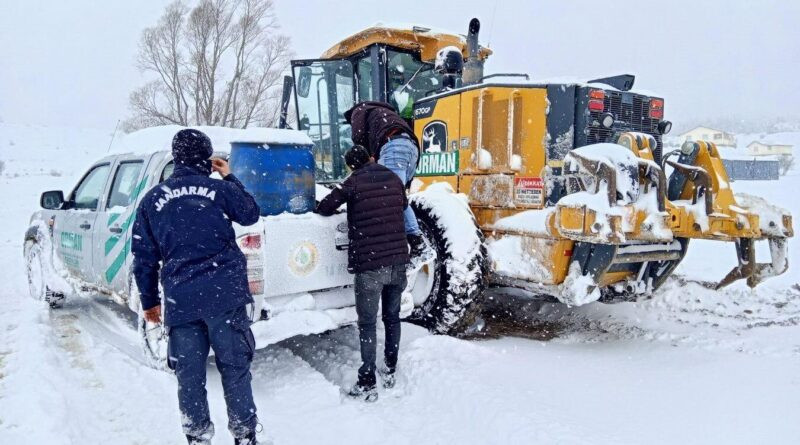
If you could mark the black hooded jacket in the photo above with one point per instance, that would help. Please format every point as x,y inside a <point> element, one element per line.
<point>375,199</point>
<point>372,123</point>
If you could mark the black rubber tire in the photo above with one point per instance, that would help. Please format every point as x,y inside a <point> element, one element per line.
<point>454,303</point>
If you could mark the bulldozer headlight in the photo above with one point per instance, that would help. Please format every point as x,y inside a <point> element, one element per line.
<point>664,127</point>
<point>607,120</point>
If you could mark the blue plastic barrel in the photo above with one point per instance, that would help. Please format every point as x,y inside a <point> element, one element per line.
<point>280,176</point>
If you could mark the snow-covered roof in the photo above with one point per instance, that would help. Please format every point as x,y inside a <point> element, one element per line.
<point>769,144</point>
<point>154,139</point>
<point>783,138</point>
<point>418,28</point>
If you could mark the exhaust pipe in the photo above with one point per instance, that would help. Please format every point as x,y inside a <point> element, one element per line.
<point>473,68</point>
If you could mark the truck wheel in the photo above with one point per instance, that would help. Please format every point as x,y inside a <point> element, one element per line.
<point>152,336</point>
<point>36,268</point>
<point>447,290</point>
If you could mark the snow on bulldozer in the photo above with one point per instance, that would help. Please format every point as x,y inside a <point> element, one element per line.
<point>562,188</point>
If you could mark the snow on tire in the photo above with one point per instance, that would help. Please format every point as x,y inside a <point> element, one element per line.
<point>459,270</point>
<point>152,336</point>
<point>39,269</point>
<point>35,270</point>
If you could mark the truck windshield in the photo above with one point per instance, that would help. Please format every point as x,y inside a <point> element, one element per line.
<point>325,91</point>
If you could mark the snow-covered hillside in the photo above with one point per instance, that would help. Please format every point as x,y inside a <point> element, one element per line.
<point>689,366</point>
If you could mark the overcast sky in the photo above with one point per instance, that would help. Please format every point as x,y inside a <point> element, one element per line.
<point>72,62</point>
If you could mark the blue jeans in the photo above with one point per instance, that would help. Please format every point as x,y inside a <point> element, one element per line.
<point>400,156</point>
<point>385,286</point>
<point>230,335</point>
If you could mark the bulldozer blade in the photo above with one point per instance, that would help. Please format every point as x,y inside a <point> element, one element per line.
<point>601,171</point>
<point>702,182</point>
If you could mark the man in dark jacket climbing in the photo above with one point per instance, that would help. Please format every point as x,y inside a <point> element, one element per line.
<point>183,227</point>
<point>391,142</point>
<point>378,255</point>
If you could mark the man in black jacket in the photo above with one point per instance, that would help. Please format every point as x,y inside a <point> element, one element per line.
<point>391,142</point>
<point>377,254</point>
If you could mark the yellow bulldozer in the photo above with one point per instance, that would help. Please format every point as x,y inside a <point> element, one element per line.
<point>560,188</point>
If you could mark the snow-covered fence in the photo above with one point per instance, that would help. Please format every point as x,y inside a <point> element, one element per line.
<point>752,170</point>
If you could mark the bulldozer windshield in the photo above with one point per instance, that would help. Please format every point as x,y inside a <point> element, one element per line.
<point>325,89</point>
<point>408,80</point>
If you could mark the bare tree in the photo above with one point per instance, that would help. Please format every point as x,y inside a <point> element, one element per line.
<point>786,163</point>
<point>219,63</point>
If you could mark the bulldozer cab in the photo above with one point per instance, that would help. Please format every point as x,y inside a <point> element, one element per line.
<point>326,88</point>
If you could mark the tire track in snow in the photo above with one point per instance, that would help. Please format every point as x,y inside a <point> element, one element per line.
<point>681,313</point>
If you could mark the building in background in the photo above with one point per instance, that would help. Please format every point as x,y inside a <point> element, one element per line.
<point>719,137</point>
<point>758,148</point>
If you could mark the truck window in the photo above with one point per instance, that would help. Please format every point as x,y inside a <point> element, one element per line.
<point>87,193</point>
<point>124,185</point>
<point>167,172</point>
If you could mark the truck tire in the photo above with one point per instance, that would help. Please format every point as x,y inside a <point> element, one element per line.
<point>152,336</point>
<point>36,251</point>
<point>458,279</point>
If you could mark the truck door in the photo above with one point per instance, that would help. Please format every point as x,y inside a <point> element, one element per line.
<point>114,222</point>
<point>323,92</point>
<point>72,228</point>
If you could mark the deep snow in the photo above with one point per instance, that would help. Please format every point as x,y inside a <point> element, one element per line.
<point>689,366</point>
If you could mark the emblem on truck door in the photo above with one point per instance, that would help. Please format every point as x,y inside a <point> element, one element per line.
<point>303,258</point>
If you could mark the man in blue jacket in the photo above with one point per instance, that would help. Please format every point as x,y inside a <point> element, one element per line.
<point>185,225</point>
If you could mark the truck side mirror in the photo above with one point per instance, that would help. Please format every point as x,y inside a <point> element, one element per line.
<point>303,81</point>
<point>52,200</point>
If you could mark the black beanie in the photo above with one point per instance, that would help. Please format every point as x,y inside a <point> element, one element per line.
<point>356,157</point>
<point>191,147</point>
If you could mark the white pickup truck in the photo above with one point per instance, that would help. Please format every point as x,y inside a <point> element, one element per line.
<point>297,264</point>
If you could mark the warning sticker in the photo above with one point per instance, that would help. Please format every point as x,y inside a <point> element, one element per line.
<point>529,191</point>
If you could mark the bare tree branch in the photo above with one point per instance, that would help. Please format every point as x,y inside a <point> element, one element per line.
<point>218,63</point>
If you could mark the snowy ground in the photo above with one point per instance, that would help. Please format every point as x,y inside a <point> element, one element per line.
<point>689,366</point>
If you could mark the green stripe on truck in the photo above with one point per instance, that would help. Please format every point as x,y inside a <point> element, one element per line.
<point>112,241</point>
<point>119,261</point>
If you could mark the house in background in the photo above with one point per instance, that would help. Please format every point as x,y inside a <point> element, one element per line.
<point>719,137</point>
<point>758,148</point>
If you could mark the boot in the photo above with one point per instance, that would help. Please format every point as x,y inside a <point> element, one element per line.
<point>365,389</point>
<point>366,393</point>
<point>388,377</point>
<point>249,439</point>
<point>197,440</point>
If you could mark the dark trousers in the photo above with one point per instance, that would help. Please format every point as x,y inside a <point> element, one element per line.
<point>384,285</point>
<point>230,335</point>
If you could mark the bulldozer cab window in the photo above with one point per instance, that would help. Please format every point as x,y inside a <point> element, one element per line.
<point>408,79</point>
<point>364,79</point>
<point>325,90</point>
